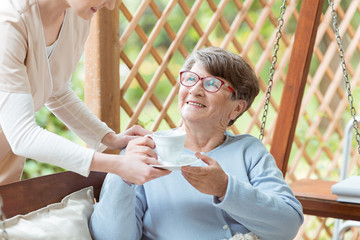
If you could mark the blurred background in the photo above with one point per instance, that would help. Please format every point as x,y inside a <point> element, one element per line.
<point>157,35</point>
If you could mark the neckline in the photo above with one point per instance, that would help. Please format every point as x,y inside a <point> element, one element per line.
<point>44,44</point>
<point>227,137</point>
<point>50,49</point>
<point>42,27</point>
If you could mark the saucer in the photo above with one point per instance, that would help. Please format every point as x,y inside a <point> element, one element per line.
<point>184,161</point>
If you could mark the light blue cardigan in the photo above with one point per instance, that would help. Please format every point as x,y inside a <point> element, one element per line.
<point>257,200</point>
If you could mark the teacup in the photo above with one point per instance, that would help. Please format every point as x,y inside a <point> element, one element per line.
<point>169,145</point>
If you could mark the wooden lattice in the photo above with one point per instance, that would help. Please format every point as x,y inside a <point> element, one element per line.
<point>157,35</point>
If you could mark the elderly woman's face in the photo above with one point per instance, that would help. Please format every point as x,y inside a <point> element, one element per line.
<point>197,105</point>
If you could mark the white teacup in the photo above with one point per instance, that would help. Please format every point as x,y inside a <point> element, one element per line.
<point>169,145</point>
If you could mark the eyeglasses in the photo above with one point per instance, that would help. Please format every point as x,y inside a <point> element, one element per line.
<point>210,83</point>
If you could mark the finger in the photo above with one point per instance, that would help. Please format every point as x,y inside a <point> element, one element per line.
<point>132,138</point>
<point>138,131</point>
<point>149,136</point>
<point>144,150</point>
<point>161,172</point>
<point>143,141</point>
<point>193,177</point>
<point>148,142</point>
<point>189,177</point>
<point>206,159</point>
<point>192,170</point>
<point>151,161</point>
<point>195,170</point>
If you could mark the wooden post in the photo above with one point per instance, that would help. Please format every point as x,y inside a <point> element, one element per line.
<point>102,57</point>
<point>297,73</point>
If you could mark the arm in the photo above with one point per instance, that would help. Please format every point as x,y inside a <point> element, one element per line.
<point>255,194</point>
<point>16,104</point>
<point>27,139</point>
<point>133,166</point>
<point>120,211</point>
<point>114,215</point>
<point>264,204</point>
<point>69,108</point>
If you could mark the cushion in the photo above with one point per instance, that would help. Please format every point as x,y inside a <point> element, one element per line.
<point>67,219</point>
<point>247,236</point>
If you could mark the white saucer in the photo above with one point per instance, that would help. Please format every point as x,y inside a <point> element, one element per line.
<point>185,161</point>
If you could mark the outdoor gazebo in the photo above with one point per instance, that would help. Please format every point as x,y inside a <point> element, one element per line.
<point>134,54</point>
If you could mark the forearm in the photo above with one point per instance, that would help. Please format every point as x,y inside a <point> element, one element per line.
<point>73,112</point>
<point>114,215</point>
<point>267,213</point>
<point>257,196</point>
<point>102,162</point>
<point>27,139</point>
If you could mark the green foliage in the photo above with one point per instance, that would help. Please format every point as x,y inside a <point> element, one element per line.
<point>148,68</point>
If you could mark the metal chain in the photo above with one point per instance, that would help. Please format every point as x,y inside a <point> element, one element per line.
<point>345,73</point>
<point>4,234</point>
<point>272,69</point>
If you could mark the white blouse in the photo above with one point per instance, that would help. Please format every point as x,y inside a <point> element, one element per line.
<point>28,139</point>
<point>50,49</point>
<point>29,80</point>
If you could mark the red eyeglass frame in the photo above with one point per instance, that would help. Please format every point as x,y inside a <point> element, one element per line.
<point>201,78</point>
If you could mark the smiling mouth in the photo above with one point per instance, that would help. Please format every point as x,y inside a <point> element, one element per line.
<point>94,10</point>
<point>195,104</point>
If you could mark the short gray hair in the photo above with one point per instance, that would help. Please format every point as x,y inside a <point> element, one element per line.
<point>227,65</point>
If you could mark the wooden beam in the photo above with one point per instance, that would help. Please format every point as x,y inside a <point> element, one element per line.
<point>297,73</point>
<point>102,51</point>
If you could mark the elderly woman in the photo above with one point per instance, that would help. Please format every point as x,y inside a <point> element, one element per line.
<point>236,188</point>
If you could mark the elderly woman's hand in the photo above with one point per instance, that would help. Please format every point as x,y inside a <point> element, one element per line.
<point>120,141</point>
<point>210,179</point>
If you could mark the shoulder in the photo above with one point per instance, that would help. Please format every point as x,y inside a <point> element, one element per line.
<point>247,146</point>
<point>16,6</point>
<point>14,30</point>
<point>246,140</point>
<point>15,15</point>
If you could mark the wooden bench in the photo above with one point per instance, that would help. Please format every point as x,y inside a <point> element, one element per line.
<point>29,195</point>
<point>316,198</point>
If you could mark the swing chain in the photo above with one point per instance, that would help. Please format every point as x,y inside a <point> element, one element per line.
<point>272,69</point>
<point>3,234</point>
<point>345,73</point>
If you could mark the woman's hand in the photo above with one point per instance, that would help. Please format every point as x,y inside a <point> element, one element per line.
<point>210,179</point>
<point>141,146</point>
<point>138,155</point>
<point>133,166</point>
<point>120,141</point>
<point>137,170</point>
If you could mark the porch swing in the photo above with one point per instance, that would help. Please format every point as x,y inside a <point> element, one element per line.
<point>315,195</point>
